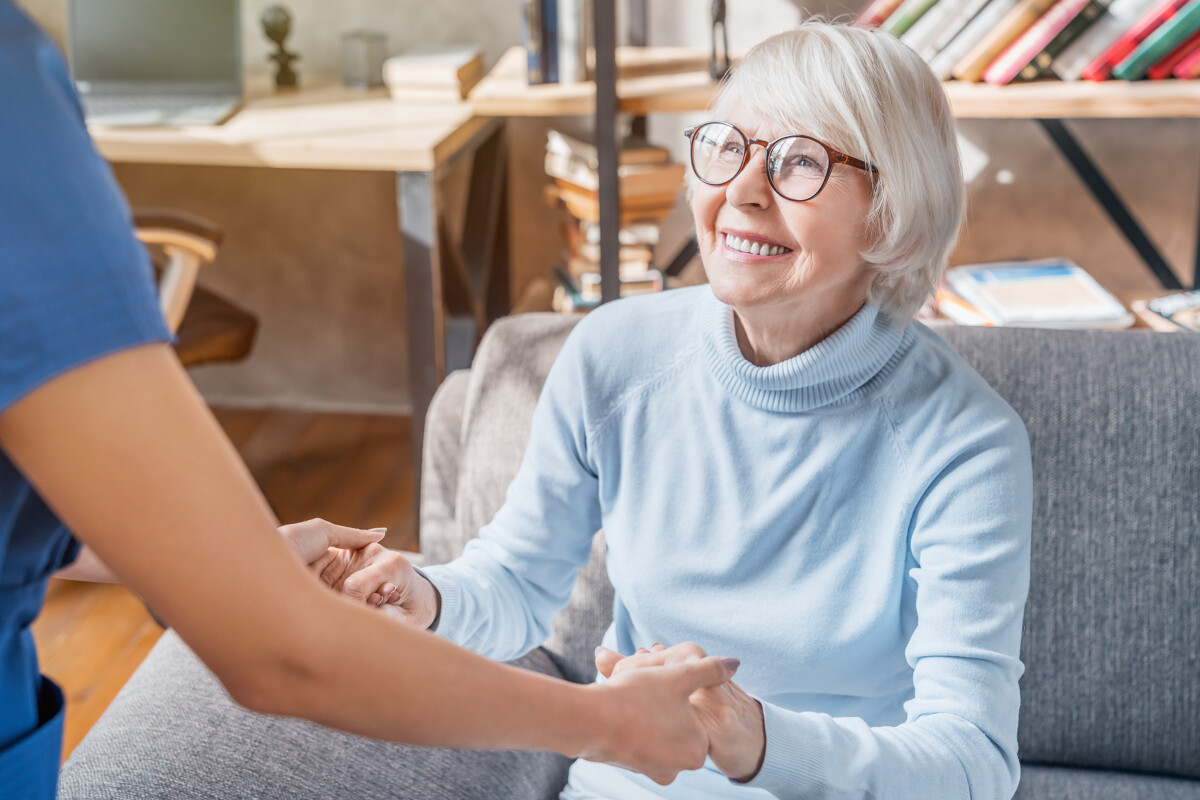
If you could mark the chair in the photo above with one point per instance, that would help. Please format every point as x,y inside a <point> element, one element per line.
<point>208,327</point>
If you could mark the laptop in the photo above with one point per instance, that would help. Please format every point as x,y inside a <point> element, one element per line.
<point>156,62</point>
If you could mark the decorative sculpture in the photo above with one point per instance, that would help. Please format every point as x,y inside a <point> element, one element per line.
<point>277,24</point>
<point>718,66</point>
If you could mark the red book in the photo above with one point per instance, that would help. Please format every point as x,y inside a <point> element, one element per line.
<point>1163,68</point>
<point>1101,68</point>
<point>1189,67</point>
<point>1033,41</point>
<point>876,12</point>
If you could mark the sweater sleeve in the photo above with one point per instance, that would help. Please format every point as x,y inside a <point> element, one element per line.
<point>969,538</point>
<point>500,597</point>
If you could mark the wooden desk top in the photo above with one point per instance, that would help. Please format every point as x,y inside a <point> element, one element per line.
<point>323,126</point>
<point>676,79</point>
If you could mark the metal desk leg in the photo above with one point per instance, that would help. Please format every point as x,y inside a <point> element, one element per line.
<point>1102,190</point>
<point>417,202</point>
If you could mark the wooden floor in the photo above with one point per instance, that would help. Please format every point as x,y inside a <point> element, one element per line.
<point>350,469</point>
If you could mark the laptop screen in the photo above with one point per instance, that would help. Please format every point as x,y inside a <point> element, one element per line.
<point>181,45</point>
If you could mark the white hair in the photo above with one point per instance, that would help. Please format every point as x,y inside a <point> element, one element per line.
<point>864,93</point>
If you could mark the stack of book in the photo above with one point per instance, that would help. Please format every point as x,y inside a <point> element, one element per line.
<point>434,74</point>
<point>1001,41</point>
<point>1051,293</point>
<point>649,187</point>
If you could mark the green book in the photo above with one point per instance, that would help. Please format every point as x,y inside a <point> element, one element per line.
<point>1040,65</point>
<point>906,15</point>
<point>1165,38</point>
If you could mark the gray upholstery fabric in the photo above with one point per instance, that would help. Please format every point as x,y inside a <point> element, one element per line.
<point>506,380</point>
<point>439,468</point>
<point>1112,627</point>
<point>174,733</point>
<point>1040,782</point>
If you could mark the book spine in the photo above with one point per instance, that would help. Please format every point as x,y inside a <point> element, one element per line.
<point>1040,64</point>
<point>1159,43</point>
<point>531,37</point>
<point>876,12</point>
<point>1035,38</point>
<point>1006,31</point>
<point>1101,68</point>
<point>1162,69</point>
<point>972,34</point>
<point>550,40</point>
<point>906,16</point>
<point>1189,67</point>
<point>955,25</point>
<point>1121,17</point>
<point>930,24</point>
<point>572,42</point>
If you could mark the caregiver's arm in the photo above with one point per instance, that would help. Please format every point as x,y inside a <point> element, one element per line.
<point>129,457</point>
<point>970,535</point>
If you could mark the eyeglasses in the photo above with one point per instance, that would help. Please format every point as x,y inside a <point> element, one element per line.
<point>797,166</point>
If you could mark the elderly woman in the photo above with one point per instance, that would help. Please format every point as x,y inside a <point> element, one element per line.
<point>787,468</point>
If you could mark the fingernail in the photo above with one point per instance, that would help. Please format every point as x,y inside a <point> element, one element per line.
<point>642,650</point>
<point>599,650</point>
<point>377,530</point>
<point>732,664</point>
<point>387,590</point>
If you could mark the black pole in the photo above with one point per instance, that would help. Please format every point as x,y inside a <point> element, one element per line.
<point>605,27</point>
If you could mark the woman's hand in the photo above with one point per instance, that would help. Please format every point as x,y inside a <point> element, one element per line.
<point>381,578</point>
<point>737,739</point>
<point>654,728</point>
<point>312,539</point>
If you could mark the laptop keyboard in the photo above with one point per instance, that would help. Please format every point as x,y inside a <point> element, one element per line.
<point>157,109</point>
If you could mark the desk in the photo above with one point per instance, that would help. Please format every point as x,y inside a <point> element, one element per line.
<point>452,292</point>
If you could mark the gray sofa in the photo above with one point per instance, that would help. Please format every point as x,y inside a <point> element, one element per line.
<point>1111,694</point>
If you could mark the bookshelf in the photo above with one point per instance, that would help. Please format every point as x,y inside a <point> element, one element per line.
<point>648,80</point>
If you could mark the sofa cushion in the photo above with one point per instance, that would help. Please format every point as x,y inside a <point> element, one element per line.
<point>1040,782</point>
<point>1112,627</point>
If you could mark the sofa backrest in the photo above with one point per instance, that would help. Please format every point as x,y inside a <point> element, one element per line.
<point>1111,641</point>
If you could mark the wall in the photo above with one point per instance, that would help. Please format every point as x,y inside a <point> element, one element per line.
<point>316,254</point>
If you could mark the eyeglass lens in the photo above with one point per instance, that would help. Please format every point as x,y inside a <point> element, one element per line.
<point>796,165</point>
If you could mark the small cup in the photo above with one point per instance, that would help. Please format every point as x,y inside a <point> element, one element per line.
<point>363,54</point>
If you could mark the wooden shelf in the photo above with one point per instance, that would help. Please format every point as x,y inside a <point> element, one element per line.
<point>670,79</point>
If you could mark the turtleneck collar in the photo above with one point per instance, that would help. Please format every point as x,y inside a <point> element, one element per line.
<point>833,371</point>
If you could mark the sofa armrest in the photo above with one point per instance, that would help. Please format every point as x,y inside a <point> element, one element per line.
<point>440,467</point>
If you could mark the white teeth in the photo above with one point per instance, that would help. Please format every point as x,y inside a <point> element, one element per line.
<point>754,248</point>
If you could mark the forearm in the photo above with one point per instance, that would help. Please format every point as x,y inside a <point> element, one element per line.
<point>88,567</point>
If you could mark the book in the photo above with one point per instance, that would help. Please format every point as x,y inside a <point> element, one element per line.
<point>1189,67</point>
<point>549,14</point>
<point>1119,17</point>
<point>424,95</point>
<point>1004,33</point>
<point>875,12</point>
<point>959,17</point>
<point>585,205</point>
<point>1032,41</point>
<point>1051,293</point>
<point>1163,68</point>
<point>925,29</point>
<point>1174,312</point>
<point>633,150</point>
<point>632,284</point>
<point>954,308</point>
<point>906,16</point>
<point>973,33</point>
<point>573,16</point>
<point>1039,65</point>
<point>448,67</point>
<point>1101,67</point>
<point>634,180</point>
<point>1161,41</point>
<point>531,38</point>
<point>638,234</point>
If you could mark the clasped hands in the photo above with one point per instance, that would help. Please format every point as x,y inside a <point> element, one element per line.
<point>352,562</point>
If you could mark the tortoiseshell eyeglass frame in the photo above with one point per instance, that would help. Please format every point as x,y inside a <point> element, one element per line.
<point>835,157</point>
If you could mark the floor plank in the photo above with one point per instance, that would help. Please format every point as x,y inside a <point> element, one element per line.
<point>353,469</point>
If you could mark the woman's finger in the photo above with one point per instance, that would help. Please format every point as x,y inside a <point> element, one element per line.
<point>352,538</point>
<point>606,659</point>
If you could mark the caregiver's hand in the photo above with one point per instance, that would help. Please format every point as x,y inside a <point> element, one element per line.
<point>737,739</point>
<point>658,730</point>
<point>381,578</point>
<point>312,539</point>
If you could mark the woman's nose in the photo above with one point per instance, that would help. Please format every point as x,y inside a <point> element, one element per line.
<point>750,186</point>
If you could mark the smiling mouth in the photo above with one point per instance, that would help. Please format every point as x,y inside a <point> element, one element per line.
<point>754,248</point>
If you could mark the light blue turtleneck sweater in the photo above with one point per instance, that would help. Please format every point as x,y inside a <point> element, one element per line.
<point>852,523</point>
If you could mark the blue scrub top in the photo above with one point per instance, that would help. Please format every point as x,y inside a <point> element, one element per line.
<point>75,285</point>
